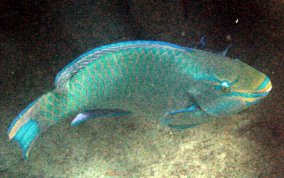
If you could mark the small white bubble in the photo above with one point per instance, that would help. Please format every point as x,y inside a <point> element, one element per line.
<point>237,20</point>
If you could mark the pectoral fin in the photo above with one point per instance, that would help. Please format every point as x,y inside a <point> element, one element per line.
<point>191,108</point>
<point>98,113</point>
<point>194,117</point>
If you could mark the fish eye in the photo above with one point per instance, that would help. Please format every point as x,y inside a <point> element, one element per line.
<point>225,87</point>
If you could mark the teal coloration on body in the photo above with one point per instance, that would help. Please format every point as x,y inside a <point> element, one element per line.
<point>155,80</point>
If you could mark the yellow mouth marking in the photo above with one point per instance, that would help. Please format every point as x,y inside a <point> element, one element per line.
<point>249,99</point>
<point>267,88</point>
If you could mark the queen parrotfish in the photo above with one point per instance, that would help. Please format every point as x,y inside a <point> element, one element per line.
<point>151,79</point>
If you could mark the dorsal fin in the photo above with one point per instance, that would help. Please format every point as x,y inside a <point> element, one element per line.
<point>64,76</point>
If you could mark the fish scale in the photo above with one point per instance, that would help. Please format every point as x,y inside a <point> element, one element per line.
<point>153,79</point>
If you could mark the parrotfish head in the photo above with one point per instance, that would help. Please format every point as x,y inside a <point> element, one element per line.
<point>225,86</point>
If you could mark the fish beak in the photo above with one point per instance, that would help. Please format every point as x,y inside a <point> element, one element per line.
<point>264,88</point>
<point>261,91</point>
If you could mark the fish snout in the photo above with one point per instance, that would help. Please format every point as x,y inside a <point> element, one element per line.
<point>264,88</point>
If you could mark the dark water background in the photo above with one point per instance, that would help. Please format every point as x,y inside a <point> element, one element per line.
<point>38,38</point>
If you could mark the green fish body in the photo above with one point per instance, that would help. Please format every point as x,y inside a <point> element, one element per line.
<point>149,78</point>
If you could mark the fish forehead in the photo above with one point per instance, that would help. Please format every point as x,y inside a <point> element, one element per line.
<point>225,68</point>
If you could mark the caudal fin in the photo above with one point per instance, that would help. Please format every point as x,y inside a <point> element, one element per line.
<point>34,120</point>
<point>25,136</point>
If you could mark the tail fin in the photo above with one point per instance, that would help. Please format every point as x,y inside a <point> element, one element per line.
<point>26,135</point>
<point>37,118</point>
<point>24,129</point>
